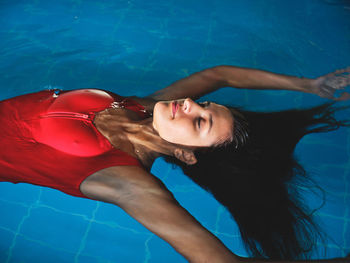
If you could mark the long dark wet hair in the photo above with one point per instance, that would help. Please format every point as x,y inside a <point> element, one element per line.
<point>258,180</point>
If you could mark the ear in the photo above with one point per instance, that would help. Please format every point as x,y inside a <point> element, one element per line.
<point>186,156</point>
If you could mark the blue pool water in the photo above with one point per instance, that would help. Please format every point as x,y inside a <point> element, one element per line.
<point>134,47</point>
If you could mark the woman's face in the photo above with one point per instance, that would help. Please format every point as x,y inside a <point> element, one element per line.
<point>188,123</point>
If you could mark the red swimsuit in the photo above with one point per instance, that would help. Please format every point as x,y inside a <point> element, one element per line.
<point>50,140</point>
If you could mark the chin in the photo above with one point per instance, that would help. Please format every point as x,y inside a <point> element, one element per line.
<point>157,111</point>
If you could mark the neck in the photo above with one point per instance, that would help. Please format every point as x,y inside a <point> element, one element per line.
<point>147,142</point>
<point>136,137</point>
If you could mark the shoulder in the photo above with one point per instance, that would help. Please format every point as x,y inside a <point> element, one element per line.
<point>119,182</point>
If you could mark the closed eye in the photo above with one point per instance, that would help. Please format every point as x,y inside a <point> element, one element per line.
<point>199,122</point>
<point>204,104</point>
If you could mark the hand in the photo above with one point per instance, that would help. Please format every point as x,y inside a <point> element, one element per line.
<point>326,86</point>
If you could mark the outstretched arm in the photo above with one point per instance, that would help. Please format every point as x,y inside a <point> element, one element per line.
<point>146,199</point>
<point>209,80</point>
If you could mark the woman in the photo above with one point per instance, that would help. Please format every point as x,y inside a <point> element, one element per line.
<point>98,145</point>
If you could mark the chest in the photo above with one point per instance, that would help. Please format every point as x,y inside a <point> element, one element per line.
<point>67,124</point>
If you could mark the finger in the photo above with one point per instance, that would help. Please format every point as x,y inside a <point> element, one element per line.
<point>344,70</point>
<point>338,71</point>
<point>340,82</point>
<point>344,96</point>
<point>337,82</point>
<point>326,93</point>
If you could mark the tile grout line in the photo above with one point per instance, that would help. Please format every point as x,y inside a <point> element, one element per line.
<point>219,212</point>
<point>84,217</point>
<point>112,40</point>
<point>44,244</point>
<point>345,219</point>
<point>151,57</point>
<point>209,38</point>
<point>148,255</point>
<point>19,228</point>
<point>346,184</point>
<point>83,241</point>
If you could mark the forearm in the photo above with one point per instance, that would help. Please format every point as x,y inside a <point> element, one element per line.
<point>194,86</point>
<point>335,260</point>
<point>167,219</point>
<point>246,78</point>
<point>211,79</point>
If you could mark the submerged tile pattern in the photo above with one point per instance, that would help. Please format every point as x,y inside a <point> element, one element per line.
<point>134,47</point>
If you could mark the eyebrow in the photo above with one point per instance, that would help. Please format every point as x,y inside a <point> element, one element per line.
<point>210,122</point>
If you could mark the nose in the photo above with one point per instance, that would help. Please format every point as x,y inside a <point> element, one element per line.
<point>187,105</point>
